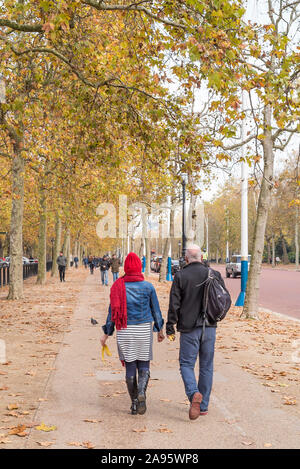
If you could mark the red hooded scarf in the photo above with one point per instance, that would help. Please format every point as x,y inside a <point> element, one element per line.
<point>133,273</point>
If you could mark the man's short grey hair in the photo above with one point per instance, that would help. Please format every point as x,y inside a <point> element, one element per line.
<point>193,253</point>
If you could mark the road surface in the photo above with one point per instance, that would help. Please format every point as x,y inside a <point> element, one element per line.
<point>279,290</point>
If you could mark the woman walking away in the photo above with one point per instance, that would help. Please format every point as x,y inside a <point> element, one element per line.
<point>133,308</point>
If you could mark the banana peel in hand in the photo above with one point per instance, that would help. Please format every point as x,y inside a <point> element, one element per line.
<point>171,337</point>
<point>106,350</point>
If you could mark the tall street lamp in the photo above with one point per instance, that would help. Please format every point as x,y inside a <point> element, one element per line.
<point>169,264</point>
<point>244,220</point>
<point>184,182</point>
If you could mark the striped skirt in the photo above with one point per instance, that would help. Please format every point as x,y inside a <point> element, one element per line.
<point>135,342</point>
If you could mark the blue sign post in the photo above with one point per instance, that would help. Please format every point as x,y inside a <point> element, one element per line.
<point>144,264</point>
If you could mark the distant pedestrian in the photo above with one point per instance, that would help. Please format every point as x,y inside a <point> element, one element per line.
<point>85,262</point>
<point>91,264</point>
<point>76,262</point>
<point>115,267</point>
<point>134,328</point>
<point>61,262</point>
<point>104,268</point>
<point>185,310</point>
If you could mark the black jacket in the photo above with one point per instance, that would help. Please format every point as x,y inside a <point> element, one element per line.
<point>104,264</point>
<point>186,297</point>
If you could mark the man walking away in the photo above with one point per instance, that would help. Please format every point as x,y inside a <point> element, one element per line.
<point>185,310</point>
<point>115,267</point>
<point>104,268</point>
<point>91,264</point>
<point>76,262</point>
<point>61,262</point>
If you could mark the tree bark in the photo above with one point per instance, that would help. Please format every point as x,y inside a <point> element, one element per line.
<point>16,225</point>
<point>57,244</point>
<point>68,249</point>
<point>251,301</point>
<point>285,257</point>
<point>273,251</point>
<point>297,237</point>
<point>269,251</point>
<point>41,277</point>
<point>148,256</point>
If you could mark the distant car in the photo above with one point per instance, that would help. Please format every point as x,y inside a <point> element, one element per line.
<point>152,263</point>
<point>3,263</point>
<point>175,266</point>
<point>234,266</point>
<point>25,260</point>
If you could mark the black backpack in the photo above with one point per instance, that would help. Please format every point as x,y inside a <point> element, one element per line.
<point>216,300</point>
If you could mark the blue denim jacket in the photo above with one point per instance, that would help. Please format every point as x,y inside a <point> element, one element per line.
<point>142,307</point>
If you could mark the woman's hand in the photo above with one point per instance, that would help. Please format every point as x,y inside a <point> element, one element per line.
<point>103,339</point>
<point>160,336</point>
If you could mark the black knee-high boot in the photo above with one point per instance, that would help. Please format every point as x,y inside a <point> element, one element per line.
<point>133,392</point>
<point>144,376</point>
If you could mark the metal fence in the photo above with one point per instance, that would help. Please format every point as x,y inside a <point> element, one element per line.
<point>29,270</point>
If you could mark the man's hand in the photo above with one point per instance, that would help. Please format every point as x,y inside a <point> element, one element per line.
<point>160,336</point>
<point>171,337</point>
<point>103,339</point>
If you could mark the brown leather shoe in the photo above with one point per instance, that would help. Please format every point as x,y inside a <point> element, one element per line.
<point>195,406</point>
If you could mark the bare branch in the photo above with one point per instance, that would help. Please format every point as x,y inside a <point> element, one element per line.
<point>132,7</point>
<point>27,28</point>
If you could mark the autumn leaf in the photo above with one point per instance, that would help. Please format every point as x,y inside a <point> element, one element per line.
<point>164,430</point>
<point>88,445</point>
<point>44,428</point>
<point>12,406</point>
<point>4,440</point>
<point>139,430</point>
<point>92,420</point>
<point>20,430</point>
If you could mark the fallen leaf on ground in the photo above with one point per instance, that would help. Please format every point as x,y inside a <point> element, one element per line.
<point>164,430</point>
<point>20,430</point>
<point>88,445</point>
<point>92,420</point>
<point>267,445</point>
<point>139,430</point>
<point>165,400</point>
<point>290,402</point>
<point>44,428</point>
<point>247,443</point>
<point>74,443</point>
<point>45,443</point>
<point>12,406</point>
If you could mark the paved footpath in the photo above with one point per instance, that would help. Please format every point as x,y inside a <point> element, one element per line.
<point>243,413</point>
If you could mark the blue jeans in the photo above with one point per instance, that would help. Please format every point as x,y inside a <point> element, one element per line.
<point>190,349</point>
<point>115,276</point>
<point>104,277</point>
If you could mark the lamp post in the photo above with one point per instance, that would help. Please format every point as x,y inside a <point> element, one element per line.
<point>184,181</point>
<point>227,234</point>
<point>244,220</point>
<point>169,265</point>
